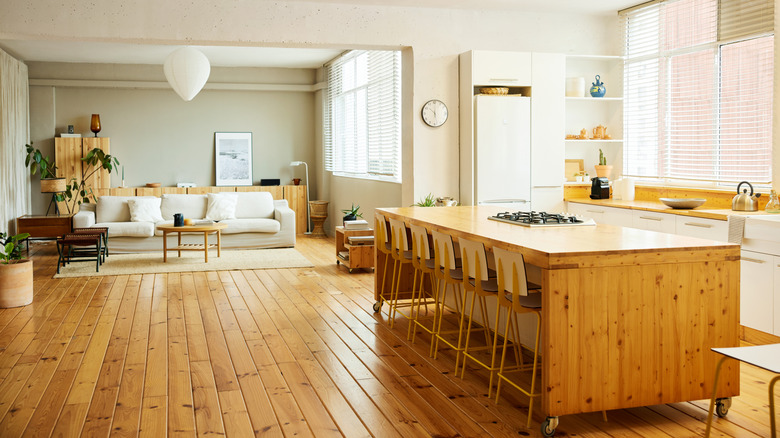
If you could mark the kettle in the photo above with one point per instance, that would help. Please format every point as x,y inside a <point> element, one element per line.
<point>743,201</point>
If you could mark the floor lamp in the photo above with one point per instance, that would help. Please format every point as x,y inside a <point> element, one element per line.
<point>53,186</point>
<point>308,211</point>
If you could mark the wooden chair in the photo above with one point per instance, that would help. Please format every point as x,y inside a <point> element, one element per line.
<point>448,276</point>
<point>476,279</point>
<point>385,247</point>
<point>513,295</point>
<point>425,264</point>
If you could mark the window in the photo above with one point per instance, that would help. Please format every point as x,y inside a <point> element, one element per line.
<point>698,90</point>
<point>362,115</point>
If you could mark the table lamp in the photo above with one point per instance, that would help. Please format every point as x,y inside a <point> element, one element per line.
<point>53,186</point>
<point>308,212</point>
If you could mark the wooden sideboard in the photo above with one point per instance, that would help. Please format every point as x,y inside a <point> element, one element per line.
<point>295,195</point>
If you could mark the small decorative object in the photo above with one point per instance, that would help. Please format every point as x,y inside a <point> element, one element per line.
<point>583,134</point>
<point>682,203</point>
<point>150,185</point>
<point>599,132</point>
<point>296,181</point>
<point>434,113</point>
<point>16,273</point>
<point>446,202</point>
<point>94,125</point>
<point>598,89</point>
<point>319,213</point>
<point>352,213</point>
<point>70,129</point>
<point>234,158</point>
<point>773,205</point>
<point>575,87</point>
<point>187,222</point>
<point>178,219</point>
<point>187,70</point>
<point>602,169</point>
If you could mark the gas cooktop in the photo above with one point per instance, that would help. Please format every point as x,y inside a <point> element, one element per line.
<point>541,219</point>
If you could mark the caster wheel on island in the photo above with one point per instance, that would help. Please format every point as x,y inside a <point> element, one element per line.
<point>377,306</point>
<point>549,425</point>
<point>722,406</point>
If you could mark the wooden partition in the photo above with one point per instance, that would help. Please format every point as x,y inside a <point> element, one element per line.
<point>295,195</point>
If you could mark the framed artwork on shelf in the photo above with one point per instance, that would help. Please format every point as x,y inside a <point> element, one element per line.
<point>233,158</point>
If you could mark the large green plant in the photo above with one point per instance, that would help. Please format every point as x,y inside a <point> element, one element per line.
<point>10,251</point>
<point>37,162</point>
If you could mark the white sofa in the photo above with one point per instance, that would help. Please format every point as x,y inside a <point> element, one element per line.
<point>253,219</point>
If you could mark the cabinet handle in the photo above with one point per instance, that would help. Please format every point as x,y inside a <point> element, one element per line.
<point>546,187</point>
<point>748,259</point>
<point>694,224</point>
<point>657,219</point>
<point>595,211</point>
<point>504,79</point>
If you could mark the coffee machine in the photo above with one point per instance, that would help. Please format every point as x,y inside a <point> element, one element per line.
<point>599,188</point>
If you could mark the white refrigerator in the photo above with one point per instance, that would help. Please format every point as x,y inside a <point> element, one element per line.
<point>502,156</point>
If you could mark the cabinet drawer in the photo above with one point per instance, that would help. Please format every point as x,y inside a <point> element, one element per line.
<point>712,229</point>
<point>647,220</point>
<point>602,215</point>
<point>511,69</point>
<point>756,291</point>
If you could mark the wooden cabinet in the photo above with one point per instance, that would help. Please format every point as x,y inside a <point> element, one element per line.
<point>68,153</point>
<point>44,226</point>
<point>354,255</point>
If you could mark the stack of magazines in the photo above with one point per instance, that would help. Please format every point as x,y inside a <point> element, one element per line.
<point>359,224</point>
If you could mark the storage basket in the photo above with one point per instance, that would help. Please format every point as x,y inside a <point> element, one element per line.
<point>318,208</point>
<point>494,90</point>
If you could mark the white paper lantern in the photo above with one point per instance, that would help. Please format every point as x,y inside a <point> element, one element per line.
<point>187,70</point>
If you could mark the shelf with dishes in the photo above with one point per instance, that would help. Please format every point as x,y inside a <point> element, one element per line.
<point>593,140</point>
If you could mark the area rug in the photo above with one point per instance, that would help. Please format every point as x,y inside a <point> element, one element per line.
<point>124,264</point>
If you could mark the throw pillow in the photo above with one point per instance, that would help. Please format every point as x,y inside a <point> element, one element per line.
<point>145,210</point>
<point>221,206</point>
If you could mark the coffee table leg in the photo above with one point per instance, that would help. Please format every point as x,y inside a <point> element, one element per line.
<point>206,244</point>
<point>219,243</point>
<point>179,233</point>
<point>165,247</point>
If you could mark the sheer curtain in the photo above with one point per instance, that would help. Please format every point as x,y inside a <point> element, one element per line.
<point>14,133</point>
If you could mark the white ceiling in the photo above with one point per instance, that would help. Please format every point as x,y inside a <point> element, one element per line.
<point>224,56</point>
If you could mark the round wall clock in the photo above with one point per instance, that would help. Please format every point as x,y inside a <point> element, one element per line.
<point>434,113</point>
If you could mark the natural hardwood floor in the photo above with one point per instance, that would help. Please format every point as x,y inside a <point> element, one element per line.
<point>280,352</point>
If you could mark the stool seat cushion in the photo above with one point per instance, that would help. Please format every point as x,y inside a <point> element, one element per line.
<point>490,285</point>
<point>532,301</point>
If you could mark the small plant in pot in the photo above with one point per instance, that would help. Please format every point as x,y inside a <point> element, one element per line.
<point>351,214</point>
<point>16,273</point>
<point>603,169</point>
<point>428,201</point>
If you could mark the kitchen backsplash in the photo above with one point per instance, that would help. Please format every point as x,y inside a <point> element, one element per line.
<point>715,198</point>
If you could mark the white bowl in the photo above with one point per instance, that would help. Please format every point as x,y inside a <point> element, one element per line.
<point>683,203</point>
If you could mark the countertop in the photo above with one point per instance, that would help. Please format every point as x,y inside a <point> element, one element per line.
<point>657,206</point>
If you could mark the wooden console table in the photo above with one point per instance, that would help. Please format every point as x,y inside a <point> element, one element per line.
<point>44,227</point>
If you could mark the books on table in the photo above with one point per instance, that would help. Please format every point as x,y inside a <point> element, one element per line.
<point>360,240</point>
<point>359,224</point>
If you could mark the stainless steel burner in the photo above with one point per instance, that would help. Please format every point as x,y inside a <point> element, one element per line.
<point>541,219</point>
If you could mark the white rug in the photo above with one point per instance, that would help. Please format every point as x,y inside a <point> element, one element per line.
<point>124,264</point>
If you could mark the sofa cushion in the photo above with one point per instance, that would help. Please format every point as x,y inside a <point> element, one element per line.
<point>145,210</point>
<point>128,229</point>
<point>235,226</point>
<point>191,206</point>
<point>221,206</point>
<point>115,208</point>
<point>254,205</point>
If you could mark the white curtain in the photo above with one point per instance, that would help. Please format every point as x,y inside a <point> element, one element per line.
<point>14,134</point>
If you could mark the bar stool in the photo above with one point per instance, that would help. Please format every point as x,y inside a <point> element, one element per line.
<point>424,263</point>
<point>402,255</point>
<point>513,295</point>
<point>476,280</point>
<point>385,247</point>
<point>452,278</point>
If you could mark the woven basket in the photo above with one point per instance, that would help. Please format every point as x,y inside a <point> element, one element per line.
<point>318,208</point>
<point>494,90</point>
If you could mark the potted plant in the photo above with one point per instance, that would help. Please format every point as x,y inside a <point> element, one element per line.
<point>351,214</point>
<point>428,201</point>
<point>603,169</point>
<point>16,273</point>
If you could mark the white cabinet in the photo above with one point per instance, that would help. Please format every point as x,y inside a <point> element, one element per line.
<point>712,229</point>
<point>547,132</point>
<point>602,215</point>
<point>776,264</point>
<point>549,199</point>
<point>757,303</point>
<point>648,220</point>
<point>509,69</point>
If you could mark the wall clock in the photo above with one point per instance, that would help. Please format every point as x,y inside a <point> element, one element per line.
<point>434,113</point>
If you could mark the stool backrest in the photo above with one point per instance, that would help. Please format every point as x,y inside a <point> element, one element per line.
<point>474,259</point>
<point>380,225</point>
<point>400,242</point>
<point>443,250</point>
<point>511,274</point>
<point>420,247</point>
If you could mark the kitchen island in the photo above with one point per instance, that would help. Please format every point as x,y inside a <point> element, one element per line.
<point>628,315</point>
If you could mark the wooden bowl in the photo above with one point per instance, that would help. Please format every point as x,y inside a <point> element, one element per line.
<point>683,203</point>
<point>153,185</point>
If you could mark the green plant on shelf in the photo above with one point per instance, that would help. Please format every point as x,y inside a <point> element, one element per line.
<point>428,201</point>
<point>602,158</point>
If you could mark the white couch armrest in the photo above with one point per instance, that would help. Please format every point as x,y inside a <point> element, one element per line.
<point>85,217</point>
<point>286,217</point>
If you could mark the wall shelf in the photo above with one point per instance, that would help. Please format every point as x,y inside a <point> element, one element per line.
<point>595,141</point>
<point>593,99</point>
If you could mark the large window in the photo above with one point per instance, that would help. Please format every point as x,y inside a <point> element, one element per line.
<point>698,91</point>
<point>363,115</point>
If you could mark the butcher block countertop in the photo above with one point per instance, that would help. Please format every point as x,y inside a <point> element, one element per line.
<point>657,206</point>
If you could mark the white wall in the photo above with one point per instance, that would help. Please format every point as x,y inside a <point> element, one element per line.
<point>434,36</point>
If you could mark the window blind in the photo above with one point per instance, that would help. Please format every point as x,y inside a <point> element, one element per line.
<point>362,115</point>
<point>698,90</point>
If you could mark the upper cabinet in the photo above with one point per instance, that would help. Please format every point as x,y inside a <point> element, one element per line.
<point>506,69</point>
<point>584,112</point>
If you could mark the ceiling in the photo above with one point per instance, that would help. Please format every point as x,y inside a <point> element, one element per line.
<point>225,56</point>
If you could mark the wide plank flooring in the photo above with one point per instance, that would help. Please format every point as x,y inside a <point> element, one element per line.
<point>278,352</point>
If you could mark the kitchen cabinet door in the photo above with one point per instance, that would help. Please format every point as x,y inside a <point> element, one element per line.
<point>756,291</point>
<point>509,69</point>
<point>652,221</point>
<point>712,229</point>
<point>547,126</point>
<point>776,296</point>
<point>602,215</point>
<point>549,199</point>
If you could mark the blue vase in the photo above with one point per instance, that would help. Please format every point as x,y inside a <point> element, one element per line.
<point>598,89</point>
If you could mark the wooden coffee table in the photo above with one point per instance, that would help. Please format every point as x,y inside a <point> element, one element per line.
<point>205,229</point>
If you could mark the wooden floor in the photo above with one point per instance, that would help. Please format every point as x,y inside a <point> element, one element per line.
<point>280,352</point>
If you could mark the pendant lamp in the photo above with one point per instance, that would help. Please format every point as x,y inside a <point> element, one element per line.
<point>187,70</point>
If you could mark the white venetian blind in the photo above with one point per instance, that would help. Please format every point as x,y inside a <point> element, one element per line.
<point>698,90</point>
<point>362,114</point>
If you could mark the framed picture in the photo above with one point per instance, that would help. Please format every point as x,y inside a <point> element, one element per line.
<point>234,158</point>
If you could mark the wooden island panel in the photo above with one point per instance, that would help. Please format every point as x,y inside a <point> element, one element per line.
<point>629,316</point>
